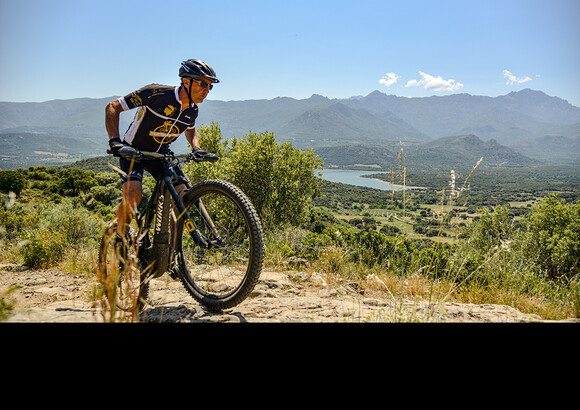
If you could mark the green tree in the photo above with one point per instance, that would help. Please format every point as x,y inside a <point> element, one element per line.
<point>279,179</point>
<point>73,181</point>
<point>491,230</point>
<point>210,140</point>
<point>553,237</point>
<point>12,181</point>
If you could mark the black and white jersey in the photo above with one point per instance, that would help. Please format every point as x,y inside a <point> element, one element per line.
<point>159,119</point>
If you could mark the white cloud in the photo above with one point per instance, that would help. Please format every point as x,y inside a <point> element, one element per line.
<point>389,79</point>
<point>431,83</point>
<point>512,79</point>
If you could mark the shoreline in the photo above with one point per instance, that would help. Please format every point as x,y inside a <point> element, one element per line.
<point>376,179</point>
<point>397,185</point>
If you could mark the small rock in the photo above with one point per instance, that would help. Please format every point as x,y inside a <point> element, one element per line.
<point>296,262</point>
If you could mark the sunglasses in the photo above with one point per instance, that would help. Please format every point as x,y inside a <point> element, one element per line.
<point>203,84</point>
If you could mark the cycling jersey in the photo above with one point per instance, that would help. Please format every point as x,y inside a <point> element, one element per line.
<point>159,120</point>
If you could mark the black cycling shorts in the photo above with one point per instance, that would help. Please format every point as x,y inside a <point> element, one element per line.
<point>133,171</point>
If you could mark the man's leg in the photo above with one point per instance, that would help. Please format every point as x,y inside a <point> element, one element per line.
<point>132,193</point>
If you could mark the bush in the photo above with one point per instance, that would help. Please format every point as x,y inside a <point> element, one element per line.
<point>17,220</point>
<point>553,237</point>
<point>43,249</point>
<point>75,223</point>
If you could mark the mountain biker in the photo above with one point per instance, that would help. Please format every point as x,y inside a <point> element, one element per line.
<point>164,112</point>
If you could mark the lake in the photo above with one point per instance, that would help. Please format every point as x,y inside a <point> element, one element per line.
<point>355,178</point>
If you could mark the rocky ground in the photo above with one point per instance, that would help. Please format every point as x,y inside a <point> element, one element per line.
<point>284,297</point>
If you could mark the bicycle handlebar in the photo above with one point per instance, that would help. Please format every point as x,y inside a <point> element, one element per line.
<point>132,153</point>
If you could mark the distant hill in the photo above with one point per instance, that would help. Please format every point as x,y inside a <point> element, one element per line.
<point>70,129</point>
<point>357,157</point>
<point>24,149</point>
<point>457,152</point>
<point>551,148</point>
<point>460,153</point>
<point>339,124</point>
<point>81,117</point>
<point>463,152</point>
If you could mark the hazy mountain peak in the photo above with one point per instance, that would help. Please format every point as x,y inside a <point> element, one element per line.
<point>318,97</point>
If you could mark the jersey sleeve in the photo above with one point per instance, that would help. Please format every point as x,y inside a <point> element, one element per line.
<point>140,97</point>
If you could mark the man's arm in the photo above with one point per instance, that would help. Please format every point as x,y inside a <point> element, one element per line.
<point>192,137</point>
<point>112,112</point>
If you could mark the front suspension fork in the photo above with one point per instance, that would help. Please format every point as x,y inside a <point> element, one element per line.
<point>184,215</point>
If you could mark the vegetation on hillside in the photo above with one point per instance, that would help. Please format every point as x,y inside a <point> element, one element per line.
<point>498,242</point>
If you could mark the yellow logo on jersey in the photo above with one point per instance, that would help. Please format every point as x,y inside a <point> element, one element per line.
<point>136,100</point>
<point>170,109</point>
<point>165,133</point>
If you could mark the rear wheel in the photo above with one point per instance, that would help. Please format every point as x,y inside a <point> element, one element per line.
<point>224,273</point>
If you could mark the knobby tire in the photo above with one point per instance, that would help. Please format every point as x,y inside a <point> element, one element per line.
<point>223,276</point>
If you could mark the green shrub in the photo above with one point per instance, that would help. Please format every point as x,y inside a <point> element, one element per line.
<point>553,237</point>
<point>17,220</point>
<point>75,223</point>
<point>43,248</point>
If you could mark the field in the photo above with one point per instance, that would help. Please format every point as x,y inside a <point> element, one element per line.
<point>433,212</point>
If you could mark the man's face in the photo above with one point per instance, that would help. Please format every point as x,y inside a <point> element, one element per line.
<point>198,91</point>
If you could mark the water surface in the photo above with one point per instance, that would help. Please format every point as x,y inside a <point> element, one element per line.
<point>355,178</point>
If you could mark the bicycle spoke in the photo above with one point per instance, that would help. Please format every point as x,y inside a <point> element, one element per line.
<point>229,267</point>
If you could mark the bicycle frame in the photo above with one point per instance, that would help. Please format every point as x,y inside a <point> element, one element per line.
<point>159,255</point>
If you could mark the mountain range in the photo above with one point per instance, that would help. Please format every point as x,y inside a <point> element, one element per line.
<point>516,129</point>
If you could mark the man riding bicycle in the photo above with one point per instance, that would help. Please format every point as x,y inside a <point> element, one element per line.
<point>164,113</point>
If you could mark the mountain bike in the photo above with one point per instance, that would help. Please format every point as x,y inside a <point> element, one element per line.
<point>208,236</point>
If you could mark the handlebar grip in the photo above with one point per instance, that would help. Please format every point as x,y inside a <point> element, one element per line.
<point>199,155</point>
<point>210,157</point>
<point>129,152</point>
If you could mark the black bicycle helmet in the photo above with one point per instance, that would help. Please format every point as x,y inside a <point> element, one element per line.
<point>197,69</point>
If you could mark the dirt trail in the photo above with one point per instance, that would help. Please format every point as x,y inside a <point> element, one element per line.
<point>283,297</point>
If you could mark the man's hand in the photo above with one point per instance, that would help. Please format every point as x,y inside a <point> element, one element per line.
<point>116,144</point>
<point>200,154</point>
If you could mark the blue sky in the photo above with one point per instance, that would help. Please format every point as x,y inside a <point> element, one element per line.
<point>60,49</point>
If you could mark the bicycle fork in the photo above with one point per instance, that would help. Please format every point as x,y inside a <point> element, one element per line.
<point>183,214</point>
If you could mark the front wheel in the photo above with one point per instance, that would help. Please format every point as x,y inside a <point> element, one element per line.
<point>223,273</point>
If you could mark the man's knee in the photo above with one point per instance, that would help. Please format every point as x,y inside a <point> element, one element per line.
<point>132,194</point>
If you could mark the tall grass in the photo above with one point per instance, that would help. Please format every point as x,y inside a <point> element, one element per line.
<point>432,272</point>
<point>117,290</point>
